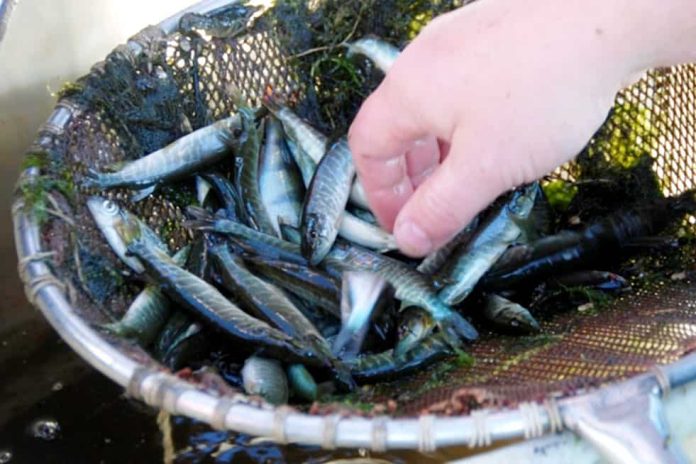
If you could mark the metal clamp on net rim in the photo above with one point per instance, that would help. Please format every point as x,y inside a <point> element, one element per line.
<point>533,420</point>
<point>480,435</point>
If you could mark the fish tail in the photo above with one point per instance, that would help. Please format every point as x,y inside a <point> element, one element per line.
<point>95,179</point>
<point>200,218</point>
<point>455,328</point>
<point>272,103</point>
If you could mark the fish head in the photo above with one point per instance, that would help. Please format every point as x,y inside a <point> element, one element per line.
<point>519,318</point>
<point>316,237</point>
<point>521,205</point>
<point>237,131</point>
<point>118,226</point>
<point>110,218</point>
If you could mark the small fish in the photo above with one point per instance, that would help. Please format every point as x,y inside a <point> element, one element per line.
<point>410,285</point>
<point>381,53</point>
<point>568,251</point>
<point>248,175</point>
<point>303,136</point>
<point>509,315</point>
<point>148,312</point>
<point>601,280</point>
<point>183,157</point>
<point>200,297</point>
<point>302,383</point>
<point>326,201</point>
<point>313,286</point>
<point>433,263</point>
<point>227,195</point>
<point>383,366</point>
<point>477,256</point>
<point>308,146</point>
<point>415,325</point>
<point>266,378</point>
<point>280,184</point>
<point>265,300</point>
<point>110,219</point>
<point>190,345</point>
<point>360,294</point>
<point>365,234</point>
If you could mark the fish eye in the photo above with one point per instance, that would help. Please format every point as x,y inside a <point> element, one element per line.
<point>110,207</point>
<point>237,132</point>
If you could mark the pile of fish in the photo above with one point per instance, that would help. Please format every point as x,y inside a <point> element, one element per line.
<point>292,268</point>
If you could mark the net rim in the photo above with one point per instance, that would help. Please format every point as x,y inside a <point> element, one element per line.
<point>176,396</point>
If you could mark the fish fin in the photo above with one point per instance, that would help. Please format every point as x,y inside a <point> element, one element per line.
<point>455,328</point>
<point>143,193</point>
<point>344,379</point>
<point>272,103</point>
<point>202,190</point>
<point>201,219</point>
<point>290,233</point>
<point>93,178</point>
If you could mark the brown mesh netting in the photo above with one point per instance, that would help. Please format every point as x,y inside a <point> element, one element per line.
<point>131,105</point>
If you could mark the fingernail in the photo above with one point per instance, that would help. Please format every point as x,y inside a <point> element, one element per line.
<point>412,239</point>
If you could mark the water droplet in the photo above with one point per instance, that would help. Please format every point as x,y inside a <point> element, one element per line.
<point>5,456</point>
<point>45,429</point>
<point>57,387</point>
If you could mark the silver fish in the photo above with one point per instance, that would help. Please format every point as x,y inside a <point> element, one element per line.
<point>490,242</point>
<point>308,146</point>
<point>509,315</point>
<point>381,53</point>
<point>409,284</point>
<point>109,218</point>
<point>188,154</point>
<point>410,287</point>
<point>280,183</point>
<point>326,201</point>
<point>148,312</point>
<point>359,297</point>
<point>266,378</point>
<point>363,233</point>
<point>432,263</point>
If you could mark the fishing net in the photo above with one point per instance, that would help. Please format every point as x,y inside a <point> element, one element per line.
<point>134,103</point>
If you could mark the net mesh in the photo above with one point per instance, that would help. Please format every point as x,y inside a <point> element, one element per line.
<point>131,105</point>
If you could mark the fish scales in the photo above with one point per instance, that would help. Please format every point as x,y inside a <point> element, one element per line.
<point>326,201</point>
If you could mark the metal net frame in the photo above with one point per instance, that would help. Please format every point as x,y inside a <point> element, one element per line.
<point>530,391</point>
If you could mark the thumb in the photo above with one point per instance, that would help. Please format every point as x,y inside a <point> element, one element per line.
<point>467,181</point>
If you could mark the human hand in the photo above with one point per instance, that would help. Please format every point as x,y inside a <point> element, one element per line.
<point>491,96</point>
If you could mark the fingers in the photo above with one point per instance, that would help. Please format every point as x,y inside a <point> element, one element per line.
<point>380,137</point>
<point>463,185</point>
<point>422,159</point>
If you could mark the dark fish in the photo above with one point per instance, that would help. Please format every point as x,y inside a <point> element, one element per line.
<point>604,238</point>
<point>227,195</point>
<point>202,298</point>
<point>383,366</point>
<point>248,175</point>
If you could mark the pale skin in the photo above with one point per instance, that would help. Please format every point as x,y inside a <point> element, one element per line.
<point>497,94</point>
